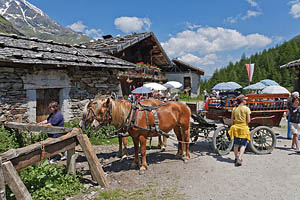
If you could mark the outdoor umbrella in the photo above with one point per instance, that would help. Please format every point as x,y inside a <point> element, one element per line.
<point>155,86</point>
<point>275,89</point>
<point>223,86</point>
<point>167,85</point>
<point>234,85</point>
<point>141,90</point>
<point>269,82</point>
<point>175,84</point>
<point>256,86</point>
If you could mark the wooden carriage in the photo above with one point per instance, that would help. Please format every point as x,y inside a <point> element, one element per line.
<point>266,112</point>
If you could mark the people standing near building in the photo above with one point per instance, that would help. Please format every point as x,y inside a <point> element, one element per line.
<point>205,93</point>
<point>290,100</point>
<point>239,131</point>
<point>294,113</point>
<point>55,118</point>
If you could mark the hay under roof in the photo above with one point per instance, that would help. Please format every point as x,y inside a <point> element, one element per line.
<point>16,50</point>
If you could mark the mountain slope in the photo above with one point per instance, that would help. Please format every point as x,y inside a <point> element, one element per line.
<point>267,66</point>
<point>6,27</point>
<point>33,22</point>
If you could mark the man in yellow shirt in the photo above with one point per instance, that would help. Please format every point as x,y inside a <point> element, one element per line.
<point>240,118</point>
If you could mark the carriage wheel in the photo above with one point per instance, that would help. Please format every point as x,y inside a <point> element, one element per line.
<point>263,140</point>
<point>221,142</point>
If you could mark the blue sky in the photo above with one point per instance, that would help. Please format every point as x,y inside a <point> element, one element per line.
<point>207,34</point>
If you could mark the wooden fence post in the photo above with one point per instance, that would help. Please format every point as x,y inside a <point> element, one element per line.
<point>2,185</point>
<point>95,166</point>
<point>71,161</point>
<point>14,182</point>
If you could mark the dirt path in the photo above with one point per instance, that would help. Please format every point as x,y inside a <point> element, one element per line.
<point>206,175</point>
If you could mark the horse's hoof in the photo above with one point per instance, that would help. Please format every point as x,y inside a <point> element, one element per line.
<point>163,149</point>
<point>142,172</point>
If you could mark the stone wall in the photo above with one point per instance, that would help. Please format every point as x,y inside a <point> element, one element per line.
<point>18,90</point>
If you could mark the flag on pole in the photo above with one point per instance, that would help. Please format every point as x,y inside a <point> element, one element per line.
<point>250,70</point>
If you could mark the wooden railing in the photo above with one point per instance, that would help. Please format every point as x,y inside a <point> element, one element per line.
<point>16,159</point>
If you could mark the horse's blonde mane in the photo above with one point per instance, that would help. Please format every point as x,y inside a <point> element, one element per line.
<point>120,111</point>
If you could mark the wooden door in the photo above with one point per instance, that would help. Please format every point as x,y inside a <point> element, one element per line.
<point>43,98</point>
<point>187,82</point>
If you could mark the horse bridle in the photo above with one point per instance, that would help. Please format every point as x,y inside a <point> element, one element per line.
<point>108,111</point>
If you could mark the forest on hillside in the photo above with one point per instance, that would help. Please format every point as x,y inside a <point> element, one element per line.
<point>267,66</point>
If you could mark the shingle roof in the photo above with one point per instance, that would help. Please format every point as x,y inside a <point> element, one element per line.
<point>179,62</point>
<point>118,44</point>
<point>294,64</point>
<point>17,49</point>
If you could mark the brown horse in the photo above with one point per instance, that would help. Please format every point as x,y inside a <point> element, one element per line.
<point>88,117</point>
<point>170,116</point>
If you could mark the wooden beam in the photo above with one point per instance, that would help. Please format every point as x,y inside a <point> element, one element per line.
<point>2,185</point>
<point>71,161</point>
<point>14,182</point>
<point>34,153</point>
<point>38,128</point>
<point>95,166</point>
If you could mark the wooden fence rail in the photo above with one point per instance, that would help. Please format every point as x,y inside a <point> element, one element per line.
<point>16,159</point>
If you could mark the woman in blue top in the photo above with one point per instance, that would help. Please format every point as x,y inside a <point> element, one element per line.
<point>55,119</point>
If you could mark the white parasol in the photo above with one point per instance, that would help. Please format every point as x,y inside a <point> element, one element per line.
<point>175,84</point>
<point>275,89</point>
<point>155,86</point>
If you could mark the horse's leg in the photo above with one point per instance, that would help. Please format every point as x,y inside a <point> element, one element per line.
<point>186,138</point>
<point>136,161</point>
<point>164,145</point>
<point>125,144</point>
<point>150,142</point>
<point>143,142</point>
<point>120,152</point>
<point>162,142</point>
<point>179,139</point>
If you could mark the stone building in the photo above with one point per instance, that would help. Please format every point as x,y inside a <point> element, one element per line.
<point>186,74</point>
<point>35,72</point>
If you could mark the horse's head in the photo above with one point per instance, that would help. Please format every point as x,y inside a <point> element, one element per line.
<point>102,111</point>
<point>87,115</point>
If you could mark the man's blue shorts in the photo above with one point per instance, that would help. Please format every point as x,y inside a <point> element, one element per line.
<point>240,141</point>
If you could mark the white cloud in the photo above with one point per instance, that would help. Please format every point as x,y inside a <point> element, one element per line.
<point>210,40</point>
<point>81,28</point>
<point>251,13</point>
<point>295,9</point>
<point>252,3</point>
<point>209,59</point>
<point>77,26</point>
<point>132,24</point>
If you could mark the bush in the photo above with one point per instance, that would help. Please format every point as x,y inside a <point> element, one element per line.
<point>47,181</point>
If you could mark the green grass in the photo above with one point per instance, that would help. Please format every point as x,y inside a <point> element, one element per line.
<point>150,192</point>
<point>190,99</point>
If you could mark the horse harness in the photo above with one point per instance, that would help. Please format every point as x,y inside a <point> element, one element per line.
<point>135,107</point>
<point>151,109</point>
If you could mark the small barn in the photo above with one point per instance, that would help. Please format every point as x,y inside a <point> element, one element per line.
<point>186,74</point>
<point>142,49</point>
<point>296,66</point>
<point>35,72</point>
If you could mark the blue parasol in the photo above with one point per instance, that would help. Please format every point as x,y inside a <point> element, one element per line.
<point>269,82</point>
<point>227,86</point>
<point>256,86</point>
<point>234,85</point>
<point>141,90</point>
